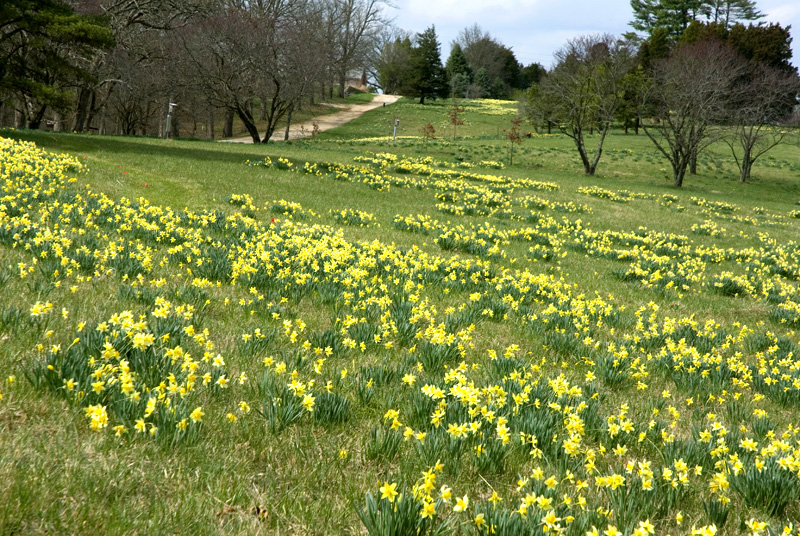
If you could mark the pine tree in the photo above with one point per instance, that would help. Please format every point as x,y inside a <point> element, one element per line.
<point>458,71</point>
<point>729,12</point>
<point>457,63</point>
<point>483,82</point>
<point>675,16</point>
<point>44,46</point>
<point>425,78</point>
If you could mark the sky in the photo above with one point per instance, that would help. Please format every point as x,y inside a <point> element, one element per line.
<point>535,29</point>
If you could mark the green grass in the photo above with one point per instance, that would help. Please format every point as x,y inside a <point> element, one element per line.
<point>252,477</point>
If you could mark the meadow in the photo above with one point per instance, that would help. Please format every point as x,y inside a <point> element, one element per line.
<point>354,334</point>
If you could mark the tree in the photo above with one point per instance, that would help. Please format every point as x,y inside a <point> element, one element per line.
<point>538,108</point>
<point>764,100</point>
<point>532,74</point>
<point>687,94</point>
<point>675,16</point>
<point>499,61</point>
<point>457,62</point>
<point>458,71</point>
<point>425,77</point>
<point>459,85</point>
<point>455,116</point>
<point>134,79</point>
<point>768,44</point>
<point>499,89</point>
<point>672,15</point>
<point>356,25</point>
<point>277,63</point>
<point>514,135</point>
<point>392,64</point>
<point>44,48</point>
<point>585,89</point>
<point>483,84</point>
<point>728,12</point>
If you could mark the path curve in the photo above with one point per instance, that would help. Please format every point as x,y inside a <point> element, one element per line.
<point>325,122</point>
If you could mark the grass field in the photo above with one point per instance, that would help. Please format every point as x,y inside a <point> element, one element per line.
<point>354,334</point>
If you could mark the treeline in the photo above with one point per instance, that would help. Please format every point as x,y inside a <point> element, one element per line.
<point>479,66</point>
<point>693,75</point>
<point>114,66</point>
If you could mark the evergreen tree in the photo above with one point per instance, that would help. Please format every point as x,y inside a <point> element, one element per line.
<point>654,48</point>
<point>458,72</point>
<point>459,85</point>
<point>425,77</point>
<point>499,89</point>
<point>483,83</point>
<point>44,46</point>
<point>729,12</point>
<point>675,16</point>
<point>770,45</point>
<point>457,63</point>
<point>532,74</point>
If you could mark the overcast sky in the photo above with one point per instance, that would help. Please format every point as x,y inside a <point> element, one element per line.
<point>534,29</point>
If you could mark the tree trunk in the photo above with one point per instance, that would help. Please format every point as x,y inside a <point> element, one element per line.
<point>636,124</point>
<point>587,166</point>
<point>288,124</point>
<point>81,109</point>
<point>693,163</point>
<point>210,122</point>
<point>342,77</point>
<point>678,172</point>
<point>249,124</point>
<point>747,165</point>
<point>549,127</point>
<point>174,127</point>
<point>227,128</point>
<point>599,152</point>
<point>35,121</point>
<point>92,109</point>
<point>269,133</point>
<point>422,99</point>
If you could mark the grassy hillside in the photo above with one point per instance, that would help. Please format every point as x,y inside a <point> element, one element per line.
<point>326,335</point>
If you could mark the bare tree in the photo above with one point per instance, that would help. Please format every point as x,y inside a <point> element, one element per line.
<point>264,51</point>
<point>585,89</point>
<point>456,116</point>
<point>687,95</point>
<point>139,29</point>
<point>764,104</point>
<point>514,135</point>
<point>357,24</point>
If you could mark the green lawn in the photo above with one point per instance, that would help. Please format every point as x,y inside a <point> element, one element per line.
<point>602,351</point>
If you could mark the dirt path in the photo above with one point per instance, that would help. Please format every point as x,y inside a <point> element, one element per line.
<point>325,122</point>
